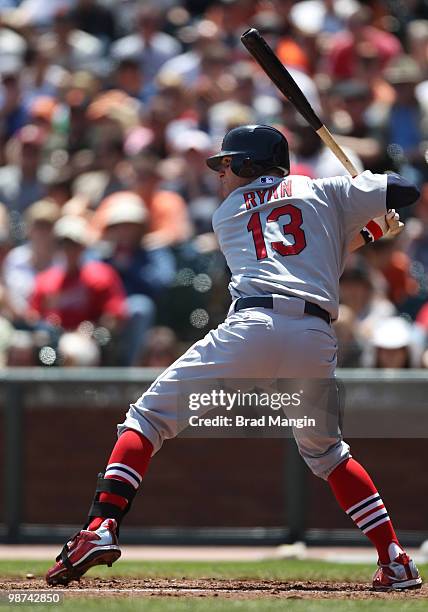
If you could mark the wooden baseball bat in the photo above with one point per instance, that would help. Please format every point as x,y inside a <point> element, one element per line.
<point>279,75</point>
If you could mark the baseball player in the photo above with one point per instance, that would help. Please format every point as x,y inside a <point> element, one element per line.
<point>285,239</point>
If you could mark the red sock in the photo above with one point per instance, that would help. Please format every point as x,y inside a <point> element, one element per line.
<point>128,462</point>
<point>357,495</point>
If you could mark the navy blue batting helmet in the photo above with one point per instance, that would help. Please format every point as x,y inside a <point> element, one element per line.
<point>254,149</point>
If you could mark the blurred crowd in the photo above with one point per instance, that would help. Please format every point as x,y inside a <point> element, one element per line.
<point>108,109</point>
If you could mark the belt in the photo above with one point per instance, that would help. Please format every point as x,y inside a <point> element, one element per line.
<point>266,301</point>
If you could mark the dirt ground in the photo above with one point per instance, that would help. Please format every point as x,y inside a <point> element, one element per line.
<point>213,588</point>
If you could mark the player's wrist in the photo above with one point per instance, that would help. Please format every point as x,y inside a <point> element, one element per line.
<point>367,237</point>
<point>372,231</point>
<point>388,225</point>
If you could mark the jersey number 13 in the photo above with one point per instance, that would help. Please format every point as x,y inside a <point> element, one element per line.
<point>293,228</point>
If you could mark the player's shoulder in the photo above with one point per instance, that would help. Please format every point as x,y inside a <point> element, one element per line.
<point>365,178</point>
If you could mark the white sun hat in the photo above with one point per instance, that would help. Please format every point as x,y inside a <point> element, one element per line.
<point>393,333</point>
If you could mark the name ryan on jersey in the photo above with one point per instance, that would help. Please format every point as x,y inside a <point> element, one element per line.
<point>261,196</point>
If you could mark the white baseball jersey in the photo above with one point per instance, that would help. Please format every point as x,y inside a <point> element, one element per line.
<point>286,237</point>
<point>290,236</point>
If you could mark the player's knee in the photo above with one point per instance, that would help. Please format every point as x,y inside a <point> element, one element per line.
<point>323,464</point>
<point>149,424</point>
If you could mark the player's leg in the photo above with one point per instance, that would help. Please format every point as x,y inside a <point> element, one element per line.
<point>358,496</point>
<point>97,543</point>
<point>223,353</point>
<point>328,456</point>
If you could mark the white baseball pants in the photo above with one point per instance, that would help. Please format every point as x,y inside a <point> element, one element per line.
<point>256,343</point>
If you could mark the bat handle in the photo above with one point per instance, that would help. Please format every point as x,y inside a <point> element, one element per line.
<point>330,142</point>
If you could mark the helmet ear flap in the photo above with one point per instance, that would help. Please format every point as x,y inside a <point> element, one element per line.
<point>281,157</point>
<point>244,166</point>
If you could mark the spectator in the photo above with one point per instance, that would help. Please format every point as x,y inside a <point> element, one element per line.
<point>187,65</point>
<point>242,93</point>
<point>404,126</point>
<point>59,186</point>
<point>351,121</point>
<point>310,151</point>
<point>326,15</point>
<point>247,92</point>
<point>366,300</point>
<point>40,75</point>
<point>169,222</point>
<point>72,48</point>
<point>24,262</point>
<point>187,173</point>
<point>130,78</point>
<point>369,70</point>
<point>145,273</point>
<point>77,291</point>
<point>113,111</point>
<point>393,264</point>
<point>152,46</point>
<point>109,157</point>
<point>233,17</point>
<point>396,343</point>
<point>161,348</point>
<point>94,18</point>
<point>156,120</point>
<point>13,113</point>
<point>21,183</point>
<point>342,56</point>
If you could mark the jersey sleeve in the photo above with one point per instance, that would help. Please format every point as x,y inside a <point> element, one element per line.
<point>358,199</point>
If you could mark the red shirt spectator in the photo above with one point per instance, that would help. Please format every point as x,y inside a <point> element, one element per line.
<point>67,299</point>
<point>343,55</point>
<point>77,291</point>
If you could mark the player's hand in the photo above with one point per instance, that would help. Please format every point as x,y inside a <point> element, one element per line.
<point>395,226</point>
<point>387,225</point>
